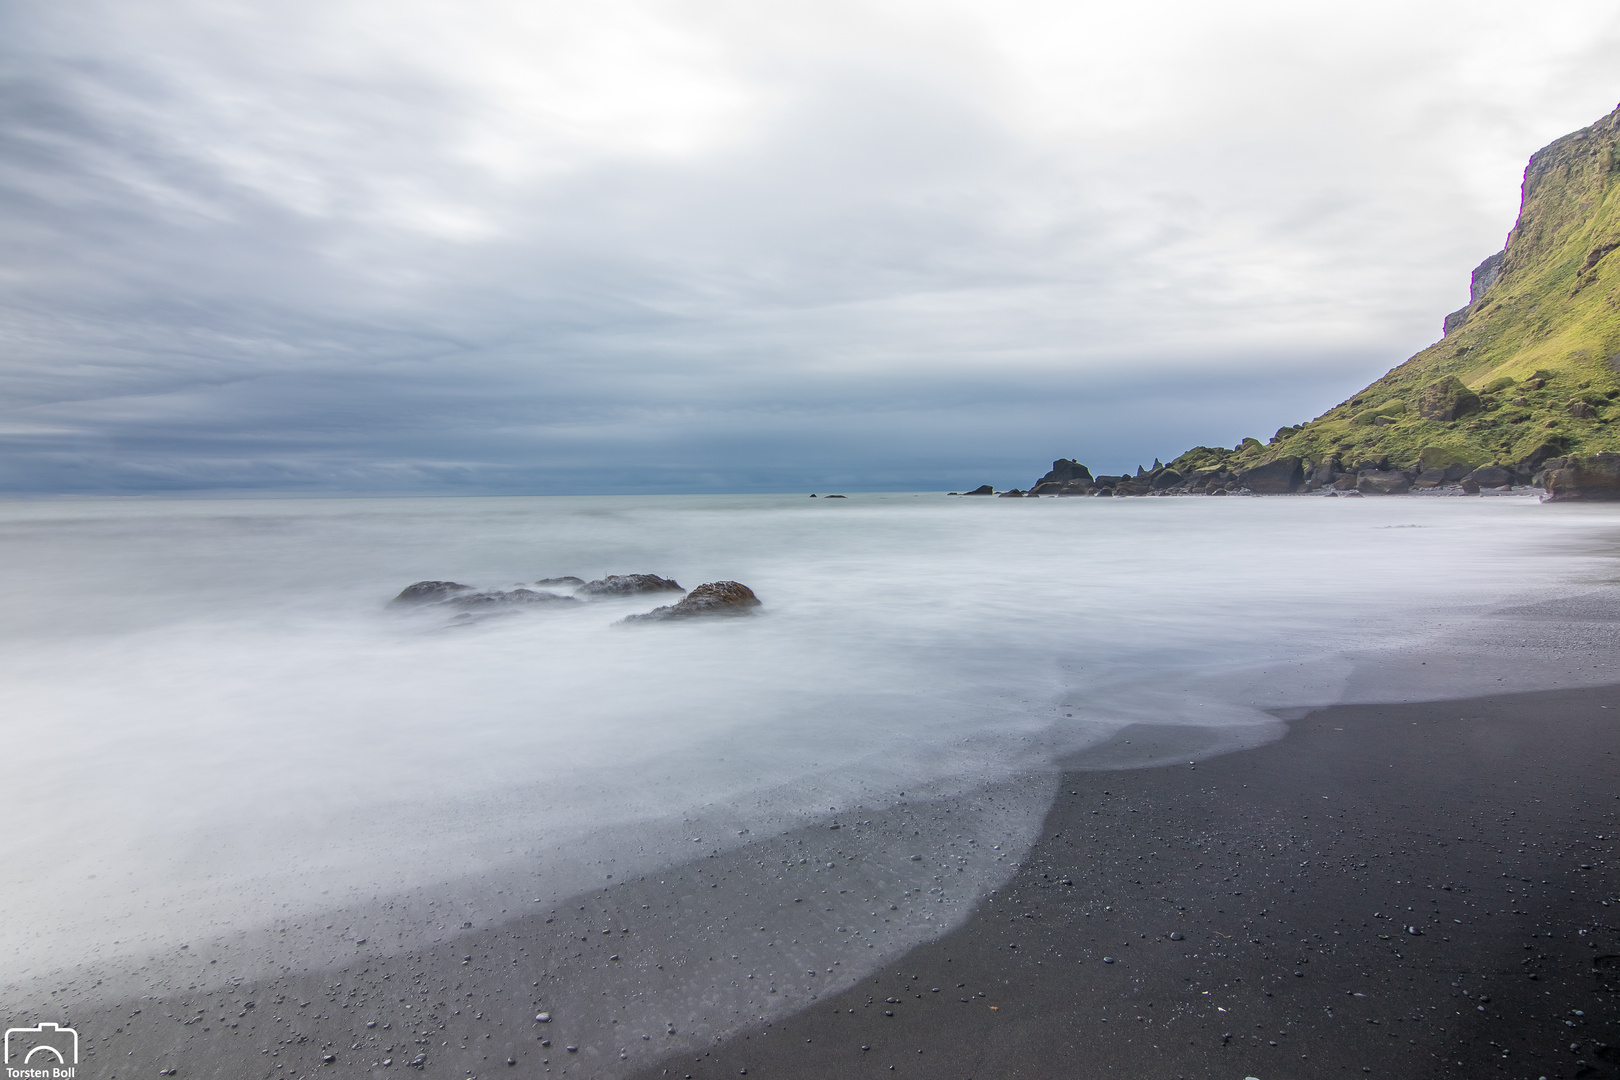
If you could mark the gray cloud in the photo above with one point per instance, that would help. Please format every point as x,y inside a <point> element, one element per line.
<point>392,248</point>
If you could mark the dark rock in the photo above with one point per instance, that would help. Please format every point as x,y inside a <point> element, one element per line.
<point>1131,487</point>
<point>1218,491</point>
<point>1013,494</point>
<point>1583,479</point>
<point>1491,476</point>
<point>1166,478</point>
<point>1470,485</point>
<point>513,598</point>
<point>1077,487</point>
<point>1346,482</point>
<point>426,592</point>
<point>1105,492</point>
<point>1326,471</point>
<point>1447,399</point>
<point>1278,477</point>
<point>837,496</point>
<point>567,580</point>
<point>982,489</point>
<point>1580,410</point>
<point>713,599</point>
<point>1046,487</point>
<point>1430,478</point>
<point>1064,470</point>
<point>1384,483</point>
<point>629,585</point>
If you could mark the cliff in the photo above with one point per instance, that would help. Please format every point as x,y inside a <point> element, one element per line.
<point>1526,374</point>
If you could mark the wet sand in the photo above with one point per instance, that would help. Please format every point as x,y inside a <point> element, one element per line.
<point>1294,873</point>
<point>1415,890</point>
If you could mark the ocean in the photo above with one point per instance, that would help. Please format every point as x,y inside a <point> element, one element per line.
<point>217,727</point>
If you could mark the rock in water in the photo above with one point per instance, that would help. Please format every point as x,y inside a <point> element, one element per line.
<point>426,592</point>
<point>628,585</point>
<point>714,598</point>
<point>1583,479</point>
<point>514,598</point>
<point>982,489</point>
<point>568,579</point>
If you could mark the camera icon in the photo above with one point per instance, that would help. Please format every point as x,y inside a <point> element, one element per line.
<point>41,1044</point>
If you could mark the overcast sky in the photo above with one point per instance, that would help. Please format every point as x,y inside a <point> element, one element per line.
<point>628,245</point>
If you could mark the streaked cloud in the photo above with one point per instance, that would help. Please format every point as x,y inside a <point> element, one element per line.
<point>412,246</point>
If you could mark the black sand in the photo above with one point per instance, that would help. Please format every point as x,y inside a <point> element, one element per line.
<point>1390,891</point>
<point>1291,872</point>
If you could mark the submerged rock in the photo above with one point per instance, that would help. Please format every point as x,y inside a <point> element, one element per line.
<point>712,599</point>
<point>628,585</point>
<point>982,489</point>
<point>427,592</point>
<point>566,580</point>
<point>512,598</point>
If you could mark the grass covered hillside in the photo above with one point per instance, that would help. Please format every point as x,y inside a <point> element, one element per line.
<point>1526,372</point>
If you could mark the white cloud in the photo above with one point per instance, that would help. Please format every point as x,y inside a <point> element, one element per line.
<point>644,224</point>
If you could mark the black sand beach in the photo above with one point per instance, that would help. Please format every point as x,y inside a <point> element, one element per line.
<point>1392,891</point>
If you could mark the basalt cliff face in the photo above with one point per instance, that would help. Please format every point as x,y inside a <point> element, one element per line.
<point>1525,382</point>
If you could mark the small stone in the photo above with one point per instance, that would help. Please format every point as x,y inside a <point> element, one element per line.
<point>572,1049</point>
<point>544,1018</point>
<point>1108,959</point>
<point>1176,936</point>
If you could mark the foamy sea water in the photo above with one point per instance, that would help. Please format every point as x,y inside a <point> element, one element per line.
<point>215,724</point>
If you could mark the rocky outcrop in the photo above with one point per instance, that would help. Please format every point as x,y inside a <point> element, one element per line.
<point>1447,399</point>
<point>714,599</point>
<point>1278,477</point>
<point>628,585</point>
<point>566,580</point>
<point>1483,277</point>
<point>982,489</point>
<point>1164,479</point>
<point>1582,479</point>
<point>429,592</point>
<point>1013,494</point>
<point>1065,470</point>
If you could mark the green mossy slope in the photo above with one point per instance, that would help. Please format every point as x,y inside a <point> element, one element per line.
<point>1528,368</point>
